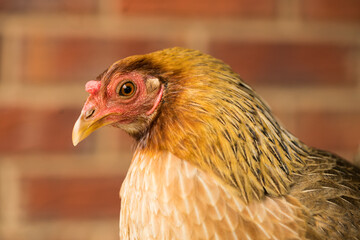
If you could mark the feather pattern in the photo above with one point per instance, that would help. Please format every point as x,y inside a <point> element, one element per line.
<point>192,205</point>
<point>212,162</point>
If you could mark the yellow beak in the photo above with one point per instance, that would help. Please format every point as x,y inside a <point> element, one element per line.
<point>84,128</point>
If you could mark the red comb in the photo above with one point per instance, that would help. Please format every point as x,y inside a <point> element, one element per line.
<point>93,86</point>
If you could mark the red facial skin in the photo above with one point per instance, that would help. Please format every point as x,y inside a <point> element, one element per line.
<point>109,106</point>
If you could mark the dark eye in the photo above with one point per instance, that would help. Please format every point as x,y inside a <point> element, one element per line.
<point>126,89</point>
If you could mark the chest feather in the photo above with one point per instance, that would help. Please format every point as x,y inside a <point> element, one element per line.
<point>164,197</point>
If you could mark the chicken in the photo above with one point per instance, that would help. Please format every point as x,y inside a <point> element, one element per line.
<point>211,161</point>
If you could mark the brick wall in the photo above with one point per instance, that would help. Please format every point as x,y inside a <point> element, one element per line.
<point>302,56</point>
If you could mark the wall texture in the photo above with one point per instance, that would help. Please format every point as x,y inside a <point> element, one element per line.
<point>302,56</point>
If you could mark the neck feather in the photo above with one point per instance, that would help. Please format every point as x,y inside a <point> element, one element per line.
<point>222,127</point>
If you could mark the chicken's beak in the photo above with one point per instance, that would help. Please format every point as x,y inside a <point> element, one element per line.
<point>84,127</point>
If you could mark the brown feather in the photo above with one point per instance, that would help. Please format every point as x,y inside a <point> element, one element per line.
<point>214,162</point>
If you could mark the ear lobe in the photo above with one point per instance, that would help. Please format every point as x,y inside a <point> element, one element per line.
<point>152,84</point>
<point>157,101</point>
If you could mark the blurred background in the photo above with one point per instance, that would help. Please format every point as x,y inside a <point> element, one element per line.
<point>302,57</point>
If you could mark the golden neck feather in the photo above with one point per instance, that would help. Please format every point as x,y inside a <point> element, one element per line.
<point>210,118</point>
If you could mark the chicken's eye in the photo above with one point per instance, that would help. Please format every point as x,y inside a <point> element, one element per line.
<point>126,89</point>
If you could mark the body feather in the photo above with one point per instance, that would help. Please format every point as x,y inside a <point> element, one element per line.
<point>192,205</point>
<point>212,162</point>
<point>211,119</point>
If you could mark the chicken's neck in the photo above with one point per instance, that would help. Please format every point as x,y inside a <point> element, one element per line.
<point>233,137</point>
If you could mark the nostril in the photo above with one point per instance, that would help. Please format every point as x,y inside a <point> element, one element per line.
<point>89,113</point>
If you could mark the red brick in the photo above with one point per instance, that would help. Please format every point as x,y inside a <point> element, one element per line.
<point>333,10</point>
<point>45,6</point>
<point>334,131</point>
<point>242,8</point>
<point>73,197</point>
<point>285,118</point>
<point>1,46</point>
<point>286,63</point>
<point>126,143</point>
<point>64,60</point>
<point>38,130</point>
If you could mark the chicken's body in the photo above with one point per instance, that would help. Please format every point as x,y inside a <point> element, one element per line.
<point>213,163</point>
<point>164,197</point>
